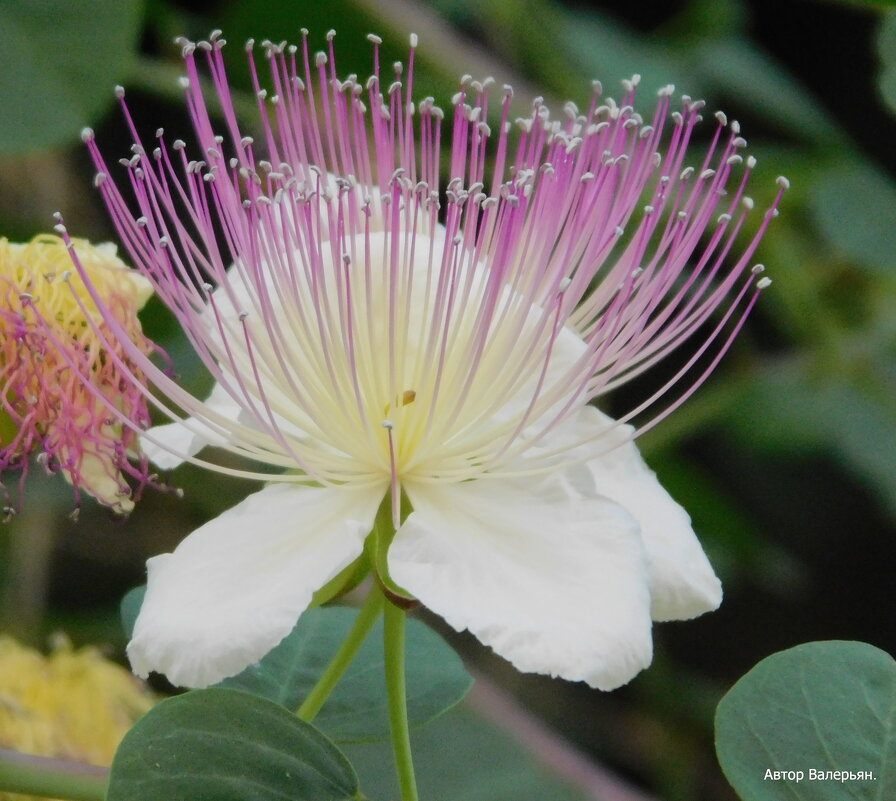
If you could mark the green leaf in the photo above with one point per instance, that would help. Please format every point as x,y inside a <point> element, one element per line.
<point>225,745</point>
<point>823,706</point>
<point>736,68</point>
<point>791,408</point>
<point>464,757</point>
<point>886,53</point>
<point>610,51</point>
<point>60,62</point>
<point>855,207</point>
<point>357,710</point>
<point>129,608</point>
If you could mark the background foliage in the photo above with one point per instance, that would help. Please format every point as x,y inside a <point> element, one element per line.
<point>785,459</point>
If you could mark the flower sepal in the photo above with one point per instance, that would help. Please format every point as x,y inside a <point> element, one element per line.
<point>377,546</point>
<point>343,582</point>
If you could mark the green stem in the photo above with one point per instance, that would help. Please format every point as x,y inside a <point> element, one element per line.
<point>370,613</point>
<point>51,778</point>
<point>393,645</point>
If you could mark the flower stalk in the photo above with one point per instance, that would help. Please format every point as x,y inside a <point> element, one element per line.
<point>393,644</point>
<point>319,694</point>
<point>52,778</point>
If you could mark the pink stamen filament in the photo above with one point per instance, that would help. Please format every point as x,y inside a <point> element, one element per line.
<point>320,318</point>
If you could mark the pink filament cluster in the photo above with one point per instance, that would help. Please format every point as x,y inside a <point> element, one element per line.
<point>596,219</point>
<point>55,370</point>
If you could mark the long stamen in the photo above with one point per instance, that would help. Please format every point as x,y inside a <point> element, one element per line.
<point>395,487</point>
<point>320,284</point>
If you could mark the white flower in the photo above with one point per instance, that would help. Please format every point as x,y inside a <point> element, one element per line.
<point>377,339</point>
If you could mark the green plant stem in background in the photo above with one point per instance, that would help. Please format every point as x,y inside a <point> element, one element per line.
<point>393,645</point>
<point>315,699</point>
<point>52,778</point>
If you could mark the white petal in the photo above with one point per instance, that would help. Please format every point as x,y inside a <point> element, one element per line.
<point>167,446</point>
<point>552,581</point>
<point>236,586</point>
<point>682,582</point>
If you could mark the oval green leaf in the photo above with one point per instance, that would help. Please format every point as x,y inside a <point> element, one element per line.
<point>886,52</point>
<point>854,205</point>
<point>357,709</point>
<point>61,61</point>
<point>129,608</point>
<point>225,745</point>
<point>814,723</point>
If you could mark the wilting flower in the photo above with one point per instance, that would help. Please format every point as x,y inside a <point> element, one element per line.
<point>386,339</point>
<point>48,338</point>
<point>72,704</point>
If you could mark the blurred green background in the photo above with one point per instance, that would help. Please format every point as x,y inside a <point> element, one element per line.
<point>786,458</point>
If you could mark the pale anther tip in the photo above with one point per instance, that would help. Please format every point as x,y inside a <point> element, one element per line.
<point>59,228</point>
<point>372,37</point>
<point>756,269</point>
<point>388,425</point>
<point>331,35</point>
<point>413,39</point>
<point>783,182</point>
<point>763,282</point>
<point>119,91</point>
<point>87,135</point>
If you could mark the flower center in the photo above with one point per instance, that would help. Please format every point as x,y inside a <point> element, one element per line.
<point>394,353</point>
